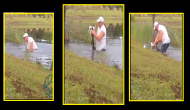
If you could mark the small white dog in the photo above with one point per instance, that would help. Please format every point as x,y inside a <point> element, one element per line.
<point>153,46</point>
<point>91,28</point>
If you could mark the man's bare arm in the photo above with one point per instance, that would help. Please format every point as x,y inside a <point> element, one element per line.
<point>159,39</point>
<point>31,46</point>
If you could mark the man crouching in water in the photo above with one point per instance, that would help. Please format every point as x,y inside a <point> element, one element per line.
<point>162,37</point>
<point>29,42</point>
<point>100,35</point>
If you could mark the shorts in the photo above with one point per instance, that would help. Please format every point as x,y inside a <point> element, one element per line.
<point>164,47</point>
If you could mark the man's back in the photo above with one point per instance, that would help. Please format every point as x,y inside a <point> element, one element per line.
<point>165,37</point>
<point>30,40</point>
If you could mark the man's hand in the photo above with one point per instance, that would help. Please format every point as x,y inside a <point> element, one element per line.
<point>93,32</point>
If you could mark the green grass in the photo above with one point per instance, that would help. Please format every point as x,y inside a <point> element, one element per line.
<point>90,16</point>
<point>88,82</point>
<point>154,76</point>
<point>166,19</point>
<point>79,31</point>
<point>107,20</point>
<point>31,26</point>
<point>14,35</point>
<point>23,20</point>
<point>24,80</point>
<point>95,13</point>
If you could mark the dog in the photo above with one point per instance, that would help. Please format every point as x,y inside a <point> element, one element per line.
<point>153,47</point>
<point>89,29</point>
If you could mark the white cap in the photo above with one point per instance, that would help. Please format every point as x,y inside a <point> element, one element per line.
<point>155,24</point>
<point>25,34</point>
<point>100,19</point>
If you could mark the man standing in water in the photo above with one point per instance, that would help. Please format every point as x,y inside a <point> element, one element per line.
<point>100,35</point>
<point>29,42</point>
<point>162,36</point>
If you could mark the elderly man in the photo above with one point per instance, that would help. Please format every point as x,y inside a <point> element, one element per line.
<point>162,36</point>
<point>29,42</point>
<point>100,35</point>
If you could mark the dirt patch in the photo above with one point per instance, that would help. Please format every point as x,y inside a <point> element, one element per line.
<point>76,79</point>
<point>7,73</point>
<point>103,99</point>
<point>161,76</point>
<point>177,90</point>
<point>20,88</point>
<point>93,98</point>
<point>164,77</point>
<point>134,75</point>
<point>26,91</point>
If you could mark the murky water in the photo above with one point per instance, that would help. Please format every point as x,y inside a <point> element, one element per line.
<point>113,54</point>
<point>173,52</point>
<point>43,54</point>
<point>44,43</point>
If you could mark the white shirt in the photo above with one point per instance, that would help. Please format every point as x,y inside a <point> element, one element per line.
<point>30,40</point>
<point>102,43</point>
<point>165,37</point>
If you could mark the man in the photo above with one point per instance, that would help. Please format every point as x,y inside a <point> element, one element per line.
<point>100,35</point>
<point>162,36</point>
<point>29,42</point>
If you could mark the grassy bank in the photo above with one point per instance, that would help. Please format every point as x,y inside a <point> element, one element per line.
<point>154,76</point>
<point>24,80</point>
<point>142,29</point>
<point>89,82</point>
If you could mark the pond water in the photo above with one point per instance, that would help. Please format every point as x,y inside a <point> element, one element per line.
<point>114,47</point>
<point>173,52</point>
<point>44,43</point>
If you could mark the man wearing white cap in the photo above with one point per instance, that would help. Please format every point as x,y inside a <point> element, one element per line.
<point>162,36</point>
<point>30,43</point>
<point>100,35</point>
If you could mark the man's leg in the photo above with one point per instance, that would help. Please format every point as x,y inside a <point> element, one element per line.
<point>167,45</point>
<point>164,48</point>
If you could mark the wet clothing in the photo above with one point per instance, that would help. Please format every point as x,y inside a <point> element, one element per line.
<point>102,43</point>
<point>164,47</point>
<point>30,40</point>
